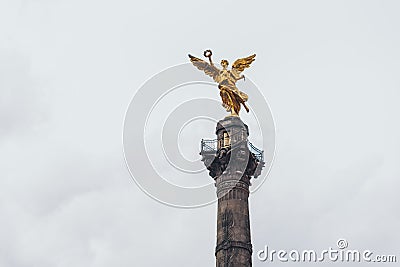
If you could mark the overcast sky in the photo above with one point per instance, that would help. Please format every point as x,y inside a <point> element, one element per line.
<point>68,70</point>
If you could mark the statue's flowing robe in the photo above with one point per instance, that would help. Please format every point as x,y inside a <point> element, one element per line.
<point>231,96</point>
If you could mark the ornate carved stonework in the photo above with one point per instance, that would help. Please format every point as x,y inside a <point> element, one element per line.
<point>232,161</point>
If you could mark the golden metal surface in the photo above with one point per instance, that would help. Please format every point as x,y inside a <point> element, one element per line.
<point>232,97</point>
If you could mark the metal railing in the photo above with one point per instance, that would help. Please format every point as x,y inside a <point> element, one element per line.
<point>257,152</point>
<point>210,146</point>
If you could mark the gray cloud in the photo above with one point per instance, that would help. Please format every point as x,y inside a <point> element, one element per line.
<point>69,69</point>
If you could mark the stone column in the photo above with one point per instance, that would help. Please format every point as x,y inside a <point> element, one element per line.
<point>232,165</point>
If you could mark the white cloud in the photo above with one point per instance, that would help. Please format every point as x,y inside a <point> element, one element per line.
<point>67,72</point>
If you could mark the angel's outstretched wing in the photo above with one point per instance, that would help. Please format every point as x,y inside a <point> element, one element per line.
<point>209,69</point>
<point>240,64</point>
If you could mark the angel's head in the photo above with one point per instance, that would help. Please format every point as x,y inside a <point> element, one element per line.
<point>224,63</point>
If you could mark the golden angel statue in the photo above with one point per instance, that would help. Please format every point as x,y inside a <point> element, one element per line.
<point>226,79</point>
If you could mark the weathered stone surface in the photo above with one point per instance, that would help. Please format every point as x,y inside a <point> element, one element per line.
<point>232,166</point>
